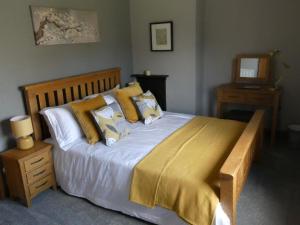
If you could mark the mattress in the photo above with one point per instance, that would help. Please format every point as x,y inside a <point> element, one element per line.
<point>103,174</point>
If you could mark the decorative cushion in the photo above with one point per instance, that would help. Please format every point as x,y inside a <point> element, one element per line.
<point>149,110</point>
<point>62,124</point>
<point>110,124</point>
<point>82,112</point>
<point>124,98</point>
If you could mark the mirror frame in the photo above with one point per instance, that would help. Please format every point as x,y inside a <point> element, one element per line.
<point>244,80</point>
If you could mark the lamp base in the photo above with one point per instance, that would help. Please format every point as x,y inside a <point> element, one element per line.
<point>25,143</point>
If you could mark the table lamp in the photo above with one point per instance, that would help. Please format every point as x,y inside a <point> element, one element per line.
<point>21,127</point>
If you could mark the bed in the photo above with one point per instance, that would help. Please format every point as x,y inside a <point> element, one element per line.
<point>232,175</point>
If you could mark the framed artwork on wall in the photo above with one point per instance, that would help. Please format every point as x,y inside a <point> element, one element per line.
<point>161,36</point>
<point>54,26</point>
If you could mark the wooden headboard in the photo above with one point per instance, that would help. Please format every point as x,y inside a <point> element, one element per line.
<point>62,91</point>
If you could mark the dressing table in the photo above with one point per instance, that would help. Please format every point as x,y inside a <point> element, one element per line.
<point>251,85</point>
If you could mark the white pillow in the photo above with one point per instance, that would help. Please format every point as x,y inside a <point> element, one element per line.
<point>63,127</point>
<point>109,98</point>
<point>113,103</point>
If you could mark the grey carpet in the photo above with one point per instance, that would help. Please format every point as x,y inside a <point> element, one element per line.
<point>271,197</point>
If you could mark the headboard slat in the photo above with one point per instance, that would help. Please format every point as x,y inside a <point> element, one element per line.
<point>107,84</point>
<point>112,81</point>
<point>89,88</point>
<point>51,98</point>
<point>59,92</point>
<point>82,90</point>
<point>75,92</point>
<point>60,97</point>
<point>68,94</point>
<point>102,87</point>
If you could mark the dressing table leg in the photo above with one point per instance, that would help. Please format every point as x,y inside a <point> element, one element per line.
<point>2,193</point>
<point>219,109</point>
<point>274,119</point>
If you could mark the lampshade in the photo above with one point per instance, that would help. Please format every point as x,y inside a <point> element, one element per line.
<point>21,126</point>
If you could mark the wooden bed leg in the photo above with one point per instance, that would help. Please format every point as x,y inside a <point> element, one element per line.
<point>228,197</point>
<point>2,187</point>
<point>2,194</point>
<point>260,144</point>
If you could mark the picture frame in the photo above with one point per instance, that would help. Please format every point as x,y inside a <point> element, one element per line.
<point>54,26</point>
<point>161,36</point>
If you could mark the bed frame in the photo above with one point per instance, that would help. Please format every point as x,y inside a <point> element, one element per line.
<point>233,173</point>
<point>62,91</point>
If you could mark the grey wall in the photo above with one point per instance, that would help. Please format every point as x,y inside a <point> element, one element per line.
<point>179,64</point>
<point>207,35</point>
<point>200,22</point>
<point>21,62</point>
<point>251,26</point>
<point>206,41</point>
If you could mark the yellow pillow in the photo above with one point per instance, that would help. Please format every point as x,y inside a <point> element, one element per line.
<point>83,114</point>
<point>124,97</point>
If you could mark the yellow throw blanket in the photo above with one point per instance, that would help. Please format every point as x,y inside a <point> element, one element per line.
<point>181,173</point>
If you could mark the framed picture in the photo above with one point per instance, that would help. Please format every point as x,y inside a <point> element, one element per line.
<point>161,36</point>
<point>54,26</point>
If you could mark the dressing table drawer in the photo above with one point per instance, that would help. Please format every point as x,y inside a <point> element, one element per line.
<point>232,96</point>
<point>260,99</point>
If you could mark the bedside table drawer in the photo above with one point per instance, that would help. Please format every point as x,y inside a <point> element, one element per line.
<point>41,185</point>
<point>39,173</point>
<point>37,161</point>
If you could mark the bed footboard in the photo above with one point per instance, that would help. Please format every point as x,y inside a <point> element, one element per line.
<point>234,171</point>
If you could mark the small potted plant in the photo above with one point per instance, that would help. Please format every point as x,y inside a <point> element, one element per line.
<point>276,53</point>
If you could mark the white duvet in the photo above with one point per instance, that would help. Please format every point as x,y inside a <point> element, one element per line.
<point>102,174</point>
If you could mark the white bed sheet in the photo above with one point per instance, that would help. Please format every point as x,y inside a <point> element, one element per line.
<point>102,174</point>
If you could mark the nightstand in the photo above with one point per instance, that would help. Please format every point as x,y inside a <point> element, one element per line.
<point>29,172</point>
<point>156,84</point>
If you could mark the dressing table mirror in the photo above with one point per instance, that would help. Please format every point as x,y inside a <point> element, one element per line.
<point>253,69</point>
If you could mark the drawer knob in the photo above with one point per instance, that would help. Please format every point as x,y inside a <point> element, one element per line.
<point>37,161</point>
